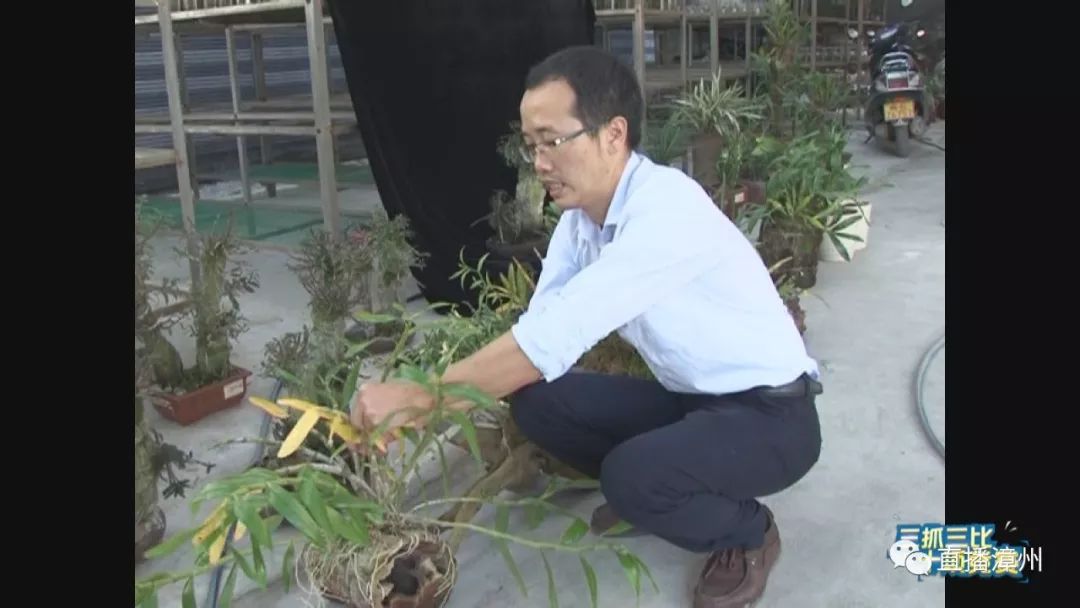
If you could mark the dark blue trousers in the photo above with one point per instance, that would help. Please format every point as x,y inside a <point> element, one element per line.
<point>687,468</point>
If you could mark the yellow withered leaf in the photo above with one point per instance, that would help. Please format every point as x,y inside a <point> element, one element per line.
<point>209,524</point>
<point>299,433</point>
<point>217,549</point>
<point>343,429</point>
<point>269,407</point>
<point>299,404</point>
<point>307,406</point>
<point>238,533</point>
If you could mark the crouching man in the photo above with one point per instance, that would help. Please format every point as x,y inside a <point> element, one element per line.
<point>641,249</point>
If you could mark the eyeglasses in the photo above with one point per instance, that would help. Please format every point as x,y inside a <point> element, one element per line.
<point>528,151</point>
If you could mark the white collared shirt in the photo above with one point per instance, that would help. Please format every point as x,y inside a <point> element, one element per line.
<point>677,280</point>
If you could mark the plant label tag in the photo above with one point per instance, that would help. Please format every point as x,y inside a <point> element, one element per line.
<point>740,197</point>
<point>233,389</point>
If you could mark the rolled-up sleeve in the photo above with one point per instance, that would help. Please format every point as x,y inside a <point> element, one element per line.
<point>655,253</point>
<point>559,263</point>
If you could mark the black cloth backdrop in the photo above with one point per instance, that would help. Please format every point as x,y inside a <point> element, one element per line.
<point>434,84</point>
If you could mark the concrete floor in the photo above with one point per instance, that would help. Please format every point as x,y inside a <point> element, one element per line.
<point>870,322</point>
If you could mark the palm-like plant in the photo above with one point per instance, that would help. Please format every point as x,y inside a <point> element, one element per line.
<point>806,200</point>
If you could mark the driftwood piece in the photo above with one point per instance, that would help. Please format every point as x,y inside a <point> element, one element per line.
<point>513,463</point>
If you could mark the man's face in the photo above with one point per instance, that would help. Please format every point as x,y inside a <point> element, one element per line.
<point>572,171</point>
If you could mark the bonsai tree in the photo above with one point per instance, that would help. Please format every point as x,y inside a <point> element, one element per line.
<point>217,316</point>
<point>334,273</point>
<point>214,319</point>
<point>389,255</point>
<point>519,220</point>
<point>363,272</point>
<point>155,357</point>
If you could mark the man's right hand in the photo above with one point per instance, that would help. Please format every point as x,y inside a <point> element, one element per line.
<point>396,404</point>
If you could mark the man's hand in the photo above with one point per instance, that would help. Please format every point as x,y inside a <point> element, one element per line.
<point>498,369</point>
<point>396,403</point>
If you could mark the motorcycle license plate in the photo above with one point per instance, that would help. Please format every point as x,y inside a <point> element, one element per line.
<point>901,109</point>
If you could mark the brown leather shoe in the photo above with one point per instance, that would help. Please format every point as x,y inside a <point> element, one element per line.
<point>736,577</point>
<point>604,519</point>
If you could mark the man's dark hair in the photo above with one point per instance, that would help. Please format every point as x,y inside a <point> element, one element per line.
<point>604,86</point>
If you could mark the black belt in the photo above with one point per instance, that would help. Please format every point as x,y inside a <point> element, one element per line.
<point>803,386</point>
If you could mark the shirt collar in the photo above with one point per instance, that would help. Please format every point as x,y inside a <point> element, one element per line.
<point>622,191</point>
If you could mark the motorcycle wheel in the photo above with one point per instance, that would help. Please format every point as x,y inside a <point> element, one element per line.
<point>902,140</point>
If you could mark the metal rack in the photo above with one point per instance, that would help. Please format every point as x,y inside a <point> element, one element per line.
<point>320,116</point>
<point>663,16</point>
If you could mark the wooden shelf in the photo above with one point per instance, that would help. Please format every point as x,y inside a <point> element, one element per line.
<point>257,11</point>
<point>146,158</point>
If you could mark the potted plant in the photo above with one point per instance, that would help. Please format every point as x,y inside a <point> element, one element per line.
<point>518,219</point>
<point>334,273</point>
<point>154,459</point>
<point>735,191</point>
<point>776,71</point>
<point>214,382</point>
<point>803,205</point>
<point>816,101</point>
<point>364,541</point>
<point>389,255</point>
<point>789,294</point>
<point>855,214</point>
<point>714,114</point>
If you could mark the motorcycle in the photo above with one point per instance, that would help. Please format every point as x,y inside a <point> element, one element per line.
<point>898,108</point>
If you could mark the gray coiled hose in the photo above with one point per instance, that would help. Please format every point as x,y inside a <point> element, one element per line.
<point>264,430</point>
<point>920,404</point>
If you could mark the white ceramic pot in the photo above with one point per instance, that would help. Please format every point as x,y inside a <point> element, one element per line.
<point>860,228</point>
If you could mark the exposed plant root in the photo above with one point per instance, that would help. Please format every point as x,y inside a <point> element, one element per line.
<point>409,568</point>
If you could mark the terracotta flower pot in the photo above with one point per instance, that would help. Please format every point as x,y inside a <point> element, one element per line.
<point>191,407</point>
